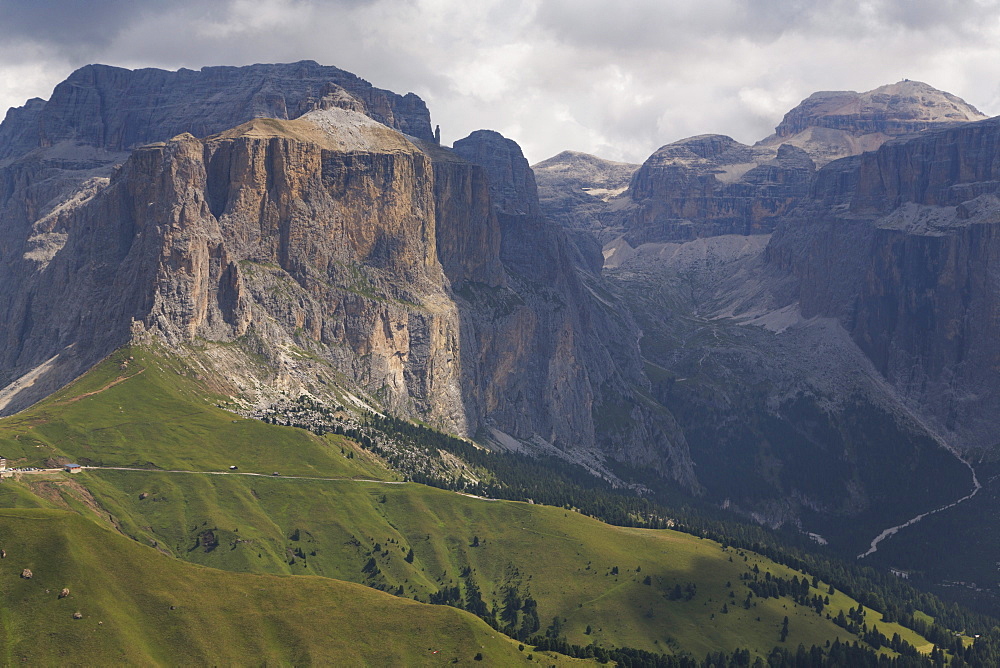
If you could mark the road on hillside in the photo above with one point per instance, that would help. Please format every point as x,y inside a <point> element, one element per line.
<point>261,475</point>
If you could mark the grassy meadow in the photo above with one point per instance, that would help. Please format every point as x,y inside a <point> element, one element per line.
<point>220,548</point>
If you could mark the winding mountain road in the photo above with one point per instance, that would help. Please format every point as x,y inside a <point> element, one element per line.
<point>261,475</point>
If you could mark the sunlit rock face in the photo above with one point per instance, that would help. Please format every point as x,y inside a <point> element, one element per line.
<point>312,222</point>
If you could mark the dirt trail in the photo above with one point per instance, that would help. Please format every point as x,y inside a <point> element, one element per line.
<point>120,379</point>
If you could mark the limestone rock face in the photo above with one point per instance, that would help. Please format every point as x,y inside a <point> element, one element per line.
<point>944,168</point>
<point>115,109</point>
<point>830,125</point>
<point>340,251</point>
<point>318,231</point>
<point>574,191</point>
<point>711,184</point>
<point>901,246</point>
<point>468,233</point>
<point>557,360</point>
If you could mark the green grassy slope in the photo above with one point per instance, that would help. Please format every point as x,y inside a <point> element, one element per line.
<point>140,607</point>
<point>155,414</point>
<point>561,559</point>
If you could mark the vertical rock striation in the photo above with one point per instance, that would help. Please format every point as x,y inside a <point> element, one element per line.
<point>322,231</point>
<point>116,109</point>
<point>559,361</point>
<point>901,246</point>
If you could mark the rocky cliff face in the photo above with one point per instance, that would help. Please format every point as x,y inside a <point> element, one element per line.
<point>589,383</point>
<point>349,258</point>
<point>844,345</point>
<point>55,154</point>
<point>902,253</point>
<point>318,233</point>
<point>710,184</point>
<point>115,109</point>
<point>278,231</point>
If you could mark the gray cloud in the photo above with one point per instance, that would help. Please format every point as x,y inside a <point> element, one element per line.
<point>66,24</point>
<point>616,79</point>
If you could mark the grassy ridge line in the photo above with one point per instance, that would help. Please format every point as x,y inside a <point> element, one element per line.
<point>341,529</point>
<point>160,418</point>
<point>140,607</point>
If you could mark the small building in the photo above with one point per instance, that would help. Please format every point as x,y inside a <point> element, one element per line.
<point>3,464</point>
<point>73,468</point>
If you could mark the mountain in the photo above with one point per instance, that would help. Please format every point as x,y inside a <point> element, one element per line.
<point>904,238</point>
<point>115,109</point>
<point>916,290</point>
<point>835,124</point>
<point>351,257</point>
<point>711,184</point>
<point>840,371</point>
<point>261,304</point>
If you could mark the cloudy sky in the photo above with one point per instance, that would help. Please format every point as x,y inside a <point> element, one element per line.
<point>617,79</point>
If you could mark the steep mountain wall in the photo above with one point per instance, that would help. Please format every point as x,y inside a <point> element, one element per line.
<point>709,185</point>
<point>55,154</point>
<point>342,254</point>
<point>313,232</point>
<point>904,253</point>
<point>554,352</point>
<point>117,109</point>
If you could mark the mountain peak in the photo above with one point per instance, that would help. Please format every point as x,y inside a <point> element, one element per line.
<point>903,103</point>
<point>834,124</point>
<point>117,109</point>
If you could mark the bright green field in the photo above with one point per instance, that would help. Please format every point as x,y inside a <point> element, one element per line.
<point>143,608</point>
<point>155,414</point>
<point>360,531</point>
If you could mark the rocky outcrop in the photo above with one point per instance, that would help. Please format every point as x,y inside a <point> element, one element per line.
<point>351,258</point>
<point>834,124</point>
<point>116,109</point>
<point>467,231</point>
<point>559,362</point>
<point>54,155</point>
<point>575,191</point>
<point>943,168</point>
<point>314,233</point>
<point>711,184</point>
<point>572,183</point>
